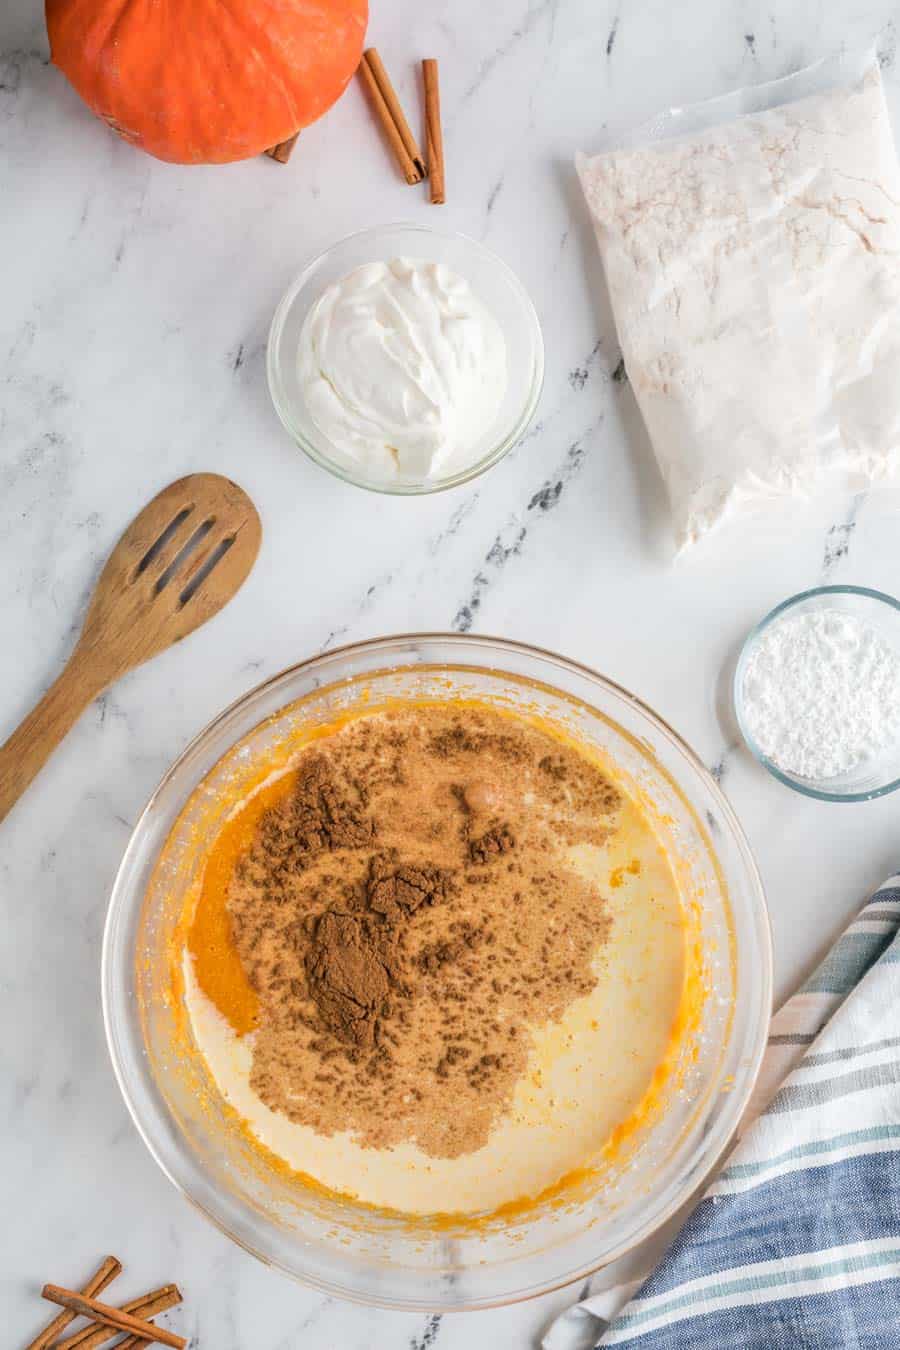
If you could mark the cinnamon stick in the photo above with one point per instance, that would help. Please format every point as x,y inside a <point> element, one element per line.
<point>111,1317</point>
<point>283,150</point>
<point>434,136</point>
<point>105,1273</point>
<point>390,115</point>
<point>129,1343</point>
<point>146,1306</point>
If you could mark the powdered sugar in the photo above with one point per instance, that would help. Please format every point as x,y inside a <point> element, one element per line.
<point>821,693</point>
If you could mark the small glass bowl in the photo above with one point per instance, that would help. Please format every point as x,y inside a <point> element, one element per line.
<point>874,777</point>
<point>494,284</point>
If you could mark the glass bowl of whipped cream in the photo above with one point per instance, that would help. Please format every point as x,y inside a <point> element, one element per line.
<point>405,360</point>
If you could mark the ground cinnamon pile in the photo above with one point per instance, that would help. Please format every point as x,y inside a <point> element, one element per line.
<point>406,916</point>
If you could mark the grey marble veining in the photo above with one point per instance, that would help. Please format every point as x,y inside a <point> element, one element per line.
<point>136,299</point>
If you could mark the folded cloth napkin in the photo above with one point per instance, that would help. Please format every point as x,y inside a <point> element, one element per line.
<point>796,1243</point>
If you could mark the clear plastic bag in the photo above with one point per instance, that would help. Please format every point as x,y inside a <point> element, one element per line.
<point>752,249</point>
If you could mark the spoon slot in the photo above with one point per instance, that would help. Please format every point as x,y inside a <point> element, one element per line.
<point>159,544</point>
<point>182,556</point>
<point>203,572</point>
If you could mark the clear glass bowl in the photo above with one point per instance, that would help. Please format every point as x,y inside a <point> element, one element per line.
<point>391,1260</point>
<point>872,778</point>
<point>491,280</point>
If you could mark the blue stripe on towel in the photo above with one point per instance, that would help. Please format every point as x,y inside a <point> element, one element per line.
<point>856,1200</point>
<point>849,960</point>
<point>831,1321</point>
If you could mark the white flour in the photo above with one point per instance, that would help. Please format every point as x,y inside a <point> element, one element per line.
<point>821,693</point>
<point>754,272</point>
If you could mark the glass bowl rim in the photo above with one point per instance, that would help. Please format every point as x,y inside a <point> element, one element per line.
<point>282,404</point>
<point>758,909</point>
<point>737,698</point>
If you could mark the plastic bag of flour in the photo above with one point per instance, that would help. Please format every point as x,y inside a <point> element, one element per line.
<point>752,250</point>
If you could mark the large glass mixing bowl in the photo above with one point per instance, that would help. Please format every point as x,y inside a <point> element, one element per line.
<point>389,1259</point>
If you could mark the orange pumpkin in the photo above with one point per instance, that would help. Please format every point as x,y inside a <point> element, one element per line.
<point>207,81</point>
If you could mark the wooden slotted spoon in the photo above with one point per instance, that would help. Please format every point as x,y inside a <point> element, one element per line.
<point>178,563</point>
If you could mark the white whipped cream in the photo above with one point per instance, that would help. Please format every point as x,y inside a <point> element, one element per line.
<point>403,369</point>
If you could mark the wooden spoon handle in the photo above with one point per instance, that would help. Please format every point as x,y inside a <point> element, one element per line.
<point>35,739</point>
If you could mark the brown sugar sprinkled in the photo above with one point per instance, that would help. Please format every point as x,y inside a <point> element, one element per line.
<point>406,917</point>
<point>491,844</point>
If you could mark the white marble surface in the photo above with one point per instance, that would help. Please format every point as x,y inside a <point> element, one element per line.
<point>135,301</point>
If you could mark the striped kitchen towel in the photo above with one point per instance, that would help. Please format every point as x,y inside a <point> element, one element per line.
<point>796,1243</point>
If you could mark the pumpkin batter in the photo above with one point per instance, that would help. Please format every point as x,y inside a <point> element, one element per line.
<point>438,963</point>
